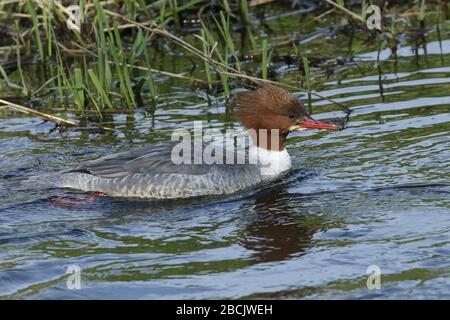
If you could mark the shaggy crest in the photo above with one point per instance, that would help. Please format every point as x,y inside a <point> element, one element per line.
<point>269,107</point>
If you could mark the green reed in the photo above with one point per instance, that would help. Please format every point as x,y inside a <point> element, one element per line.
<point>247,25</point>
<point>174,12</point>
<point>37,34</point>
<point>24,89</point>
<point>307,81</point>
<point>100,89</point>
<point>104,71</point>
<point>122,70</point>
<point>79,88</point>
<point>422,10</point>
<point>138,51</point>
<point>225,31</point>
<point>149,79</point>
<point>206,50</point>
<point>364,6</point>
<point>47,23</point>
<point>220,50</point>
<point>265,58</point>
<point>131,8</point>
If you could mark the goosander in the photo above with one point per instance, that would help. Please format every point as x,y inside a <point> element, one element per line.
<point>150,172</point>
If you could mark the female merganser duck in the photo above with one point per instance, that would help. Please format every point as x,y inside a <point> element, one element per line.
<point>150,172</point>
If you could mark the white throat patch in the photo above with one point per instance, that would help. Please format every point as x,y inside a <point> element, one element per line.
<point>272,163</point>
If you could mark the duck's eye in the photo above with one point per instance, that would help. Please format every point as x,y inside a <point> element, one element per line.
<point>291,116</point>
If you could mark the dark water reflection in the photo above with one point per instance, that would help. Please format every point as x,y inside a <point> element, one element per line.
<point>273,234</point>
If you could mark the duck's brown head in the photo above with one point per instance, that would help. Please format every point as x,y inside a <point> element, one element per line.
<point>276,110</point>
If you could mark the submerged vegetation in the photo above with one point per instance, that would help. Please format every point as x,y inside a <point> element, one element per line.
<point>114,59</point>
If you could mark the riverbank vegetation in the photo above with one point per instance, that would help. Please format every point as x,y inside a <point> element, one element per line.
<point>125,55</point>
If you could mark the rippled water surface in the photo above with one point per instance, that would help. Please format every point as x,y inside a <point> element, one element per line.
<point>377,193</point>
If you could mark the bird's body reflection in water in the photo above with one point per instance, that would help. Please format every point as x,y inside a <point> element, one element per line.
<point>282,227</point>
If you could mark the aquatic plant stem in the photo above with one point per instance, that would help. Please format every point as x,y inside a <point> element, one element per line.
<point>39,114</point>
<point>352,14</point>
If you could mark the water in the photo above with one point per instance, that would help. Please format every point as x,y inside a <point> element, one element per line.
<point>375,194</point>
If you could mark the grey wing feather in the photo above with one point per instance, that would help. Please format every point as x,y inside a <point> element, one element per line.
<point>155,159</point>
